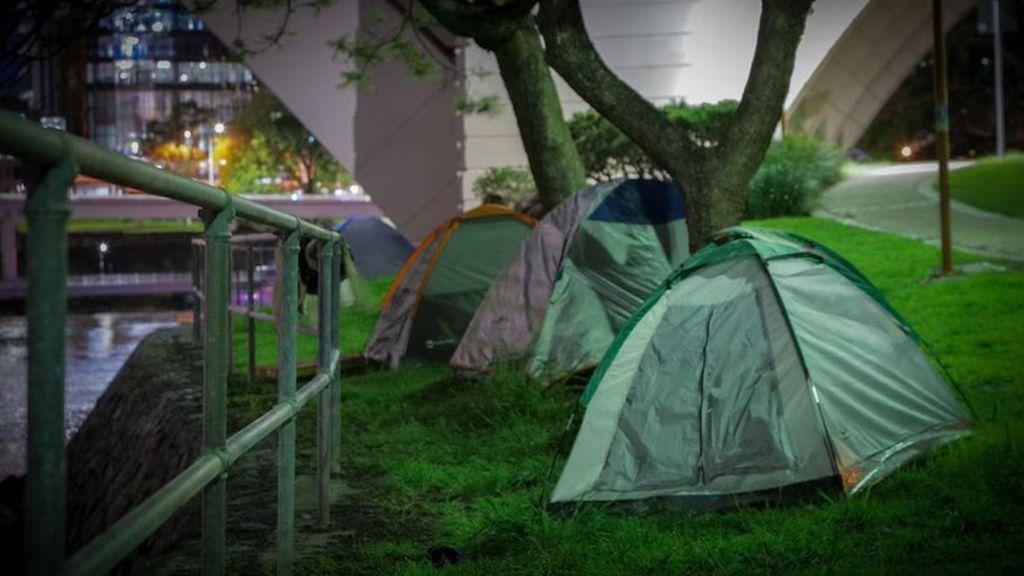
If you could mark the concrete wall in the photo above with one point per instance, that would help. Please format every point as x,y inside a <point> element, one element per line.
<point>400,139</point>
<point>302,71</point>
<point>407,138</point>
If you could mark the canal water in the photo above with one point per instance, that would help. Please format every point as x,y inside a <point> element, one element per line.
<point>97,345</point>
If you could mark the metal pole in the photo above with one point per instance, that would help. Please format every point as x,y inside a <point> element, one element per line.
<point>215,373</point>
<point>47,211</point>
<point>232,298</point>
<point>197,302</point>
<point>251,323</point>
<point>942,135</point>
<point>337,263</point>
<point>209,160</point>
<point>323,423</point>
<point>286,336</point>
<point>997,61</point>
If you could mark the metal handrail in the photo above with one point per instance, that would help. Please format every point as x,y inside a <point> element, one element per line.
<point>63,156</point>
<point>28,140</point>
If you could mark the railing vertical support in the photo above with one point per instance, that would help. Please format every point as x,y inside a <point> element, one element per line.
<point>323,423</point>
<point>287,332</point>
<point>250,261</point>
<point>232,298</point>
<point>338,262</point>
<point>217,237</point>
<point>197,290</point>
<point>47,211</point>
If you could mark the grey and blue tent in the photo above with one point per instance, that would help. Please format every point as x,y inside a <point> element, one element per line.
<point>577,278</point>
<point>764,361</point>
<point>377,248</point>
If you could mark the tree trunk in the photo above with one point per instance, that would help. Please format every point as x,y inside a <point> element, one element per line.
<point>554,161</point>
<point>713,181</point>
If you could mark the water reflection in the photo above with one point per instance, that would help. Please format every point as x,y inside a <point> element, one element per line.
<point>96,346</point>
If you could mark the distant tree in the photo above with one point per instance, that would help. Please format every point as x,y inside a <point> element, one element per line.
<point>273,144</point>
<point>165,140</point>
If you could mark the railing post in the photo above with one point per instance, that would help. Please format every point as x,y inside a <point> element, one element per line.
<point>251,307</point>
<point>287,332</point>
<point>323,422</point>
<point>231,285</point>
<point>47,211</point>
<point>197,290</point>
<point>217,236</point>
<point>338,262</point>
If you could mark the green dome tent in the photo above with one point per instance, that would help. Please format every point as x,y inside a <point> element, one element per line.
<point>439,287</point>
<point>577,279</point>
<point>764,361</point>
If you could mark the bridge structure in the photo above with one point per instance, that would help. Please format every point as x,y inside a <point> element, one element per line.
<point>149,207</point>
<point>853,56</point>
<point>60,157</point>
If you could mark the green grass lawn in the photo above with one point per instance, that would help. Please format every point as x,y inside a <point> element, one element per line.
<point>356,324</point>
<point>992,184</point>
<point>437,460</point>
<point>125,226</point>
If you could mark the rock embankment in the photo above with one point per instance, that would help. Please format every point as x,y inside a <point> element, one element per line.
<point>145,429</point>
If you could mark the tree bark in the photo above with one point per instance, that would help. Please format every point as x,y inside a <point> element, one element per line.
<point>508,30</point>
<point>554,161</point>
<point>753,124</point>
<point>713,180</point>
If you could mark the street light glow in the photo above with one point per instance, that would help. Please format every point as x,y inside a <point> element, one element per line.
<point>906,152</point>
<point>104,247</point>
<point>188,133</point>
<point>218,127</point>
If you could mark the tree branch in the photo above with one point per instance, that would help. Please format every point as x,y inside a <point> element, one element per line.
<point>753,124</point>
<point>489,24</point>
<point>571,53</point>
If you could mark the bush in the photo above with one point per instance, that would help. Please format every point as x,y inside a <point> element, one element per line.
<point>794,171</point>
<point>511,183</point>
<point>608,154</point>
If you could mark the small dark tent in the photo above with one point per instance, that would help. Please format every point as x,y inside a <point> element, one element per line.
<point>438,289</point>
<point>377,248</point>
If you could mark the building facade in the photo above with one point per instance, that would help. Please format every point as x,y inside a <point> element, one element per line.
<point>144,61</point>
<point>148,60</point>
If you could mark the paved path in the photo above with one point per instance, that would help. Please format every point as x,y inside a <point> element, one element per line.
<point>900,199</point>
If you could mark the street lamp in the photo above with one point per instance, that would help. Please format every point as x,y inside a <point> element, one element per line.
<point>103,248</point>
<point>218,128</point>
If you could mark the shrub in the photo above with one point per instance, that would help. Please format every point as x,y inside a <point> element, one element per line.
<point>608,154</point>
<point>794,171</point>
<point>605,151</point>
<point>512,183</point>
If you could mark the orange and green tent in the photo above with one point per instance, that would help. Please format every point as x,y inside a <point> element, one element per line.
<point>437,291</point>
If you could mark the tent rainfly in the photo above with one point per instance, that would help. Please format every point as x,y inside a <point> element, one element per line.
<point>577,279</point>
<point>765,361</point>
<point>377,248</point>
<point>439,287</point>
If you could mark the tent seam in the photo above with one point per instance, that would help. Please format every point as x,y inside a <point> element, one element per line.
<point>829,443</point>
